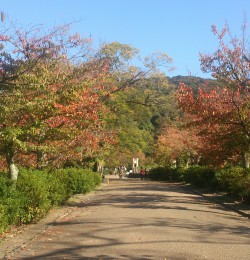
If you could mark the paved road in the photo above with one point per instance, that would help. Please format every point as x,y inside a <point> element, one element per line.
<point>134,219</point>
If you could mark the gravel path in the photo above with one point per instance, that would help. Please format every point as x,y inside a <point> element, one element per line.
<point>134,219</point>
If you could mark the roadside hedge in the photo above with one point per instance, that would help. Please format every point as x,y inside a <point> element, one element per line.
<point>200,176</point>
<point>165,174</point>
<point>233,180</point>
<point>35,192</point>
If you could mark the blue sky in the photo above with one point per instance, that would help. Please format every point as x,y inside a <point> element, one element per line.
<point>180,28</point>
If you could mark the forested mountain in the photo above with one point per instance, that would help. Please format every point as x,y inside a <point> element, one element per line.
<point>140,115</point>
<point>191,81</point>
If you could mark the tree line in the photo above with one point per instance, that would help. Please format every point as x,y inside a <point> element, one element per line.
<point>65,103</point>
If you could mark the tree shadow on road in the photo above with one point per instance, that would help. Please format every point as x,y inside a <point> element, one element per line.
<point>154,195</point>
<point>96,241</point>
<point>94,236</point>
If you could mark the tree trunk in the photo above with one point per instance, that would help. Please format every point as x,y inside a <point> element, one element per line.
<point>246,160</point>
<point>100,167</point>
<point>178,163</point>
<point>187,163</point>
<point>13,170</point>
<point>41,160</point>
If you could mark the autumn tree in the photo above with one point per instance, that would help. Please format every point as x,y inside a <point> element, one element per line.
<point>222,113</point>
<point>55,92</point>
<point>50,96</point>
<point>176,146</point>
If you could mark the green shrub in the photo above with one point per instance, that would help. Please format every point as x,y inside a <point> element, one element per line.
<point>3,218</point>
<point>235,181</point>
<point>4,192</point>
<point>34,188</point>
<point>159,173</point>
<point>10,203</point>
<point>4,187</point>
<point>165,174</point>
<point>35,192</point>
<point>200,176</point>
<point>97,179</point>
<point>230,179</point>
<point>15,208</point>
<point>80,180</point>
<point>58,188</point>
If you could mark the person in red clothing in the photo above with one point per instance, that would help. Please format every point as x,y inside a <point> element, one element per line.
<point>142,173</point>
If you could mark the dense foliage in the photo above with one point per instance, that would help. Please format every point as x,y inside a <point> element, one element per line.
<point>35,192</point>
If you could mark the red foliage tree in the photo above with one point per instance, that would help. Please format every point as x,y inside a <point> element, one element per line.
<point>222,114</point>
<point>177,146</point>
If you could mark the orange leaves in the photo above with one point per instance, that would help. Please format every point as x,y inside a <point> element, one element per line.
<point>174,143</point>
<point>185,95</point>
<point>216,101</point>
<point>220,116</point>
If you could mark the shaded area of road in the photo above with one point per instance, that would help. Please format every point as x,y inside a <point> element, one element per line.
<point>134,219</point>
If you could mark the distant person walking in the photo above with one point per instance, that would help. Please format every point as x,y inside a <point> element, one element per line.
<point>142,172</point>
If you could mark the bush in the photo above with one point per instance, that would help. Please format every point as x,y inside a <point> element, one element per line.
<point>5,184</point>
<point>35,192</point>
<point>34,188</point>
<point>235,181</point>
<point>4,191</point>
<point>58,188</point>
<point>203,177</point>
<point>80,180</point>
<point>165,174</point>
<point>200,176</point>
<point>3,218</point>
<point>10,201</point>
